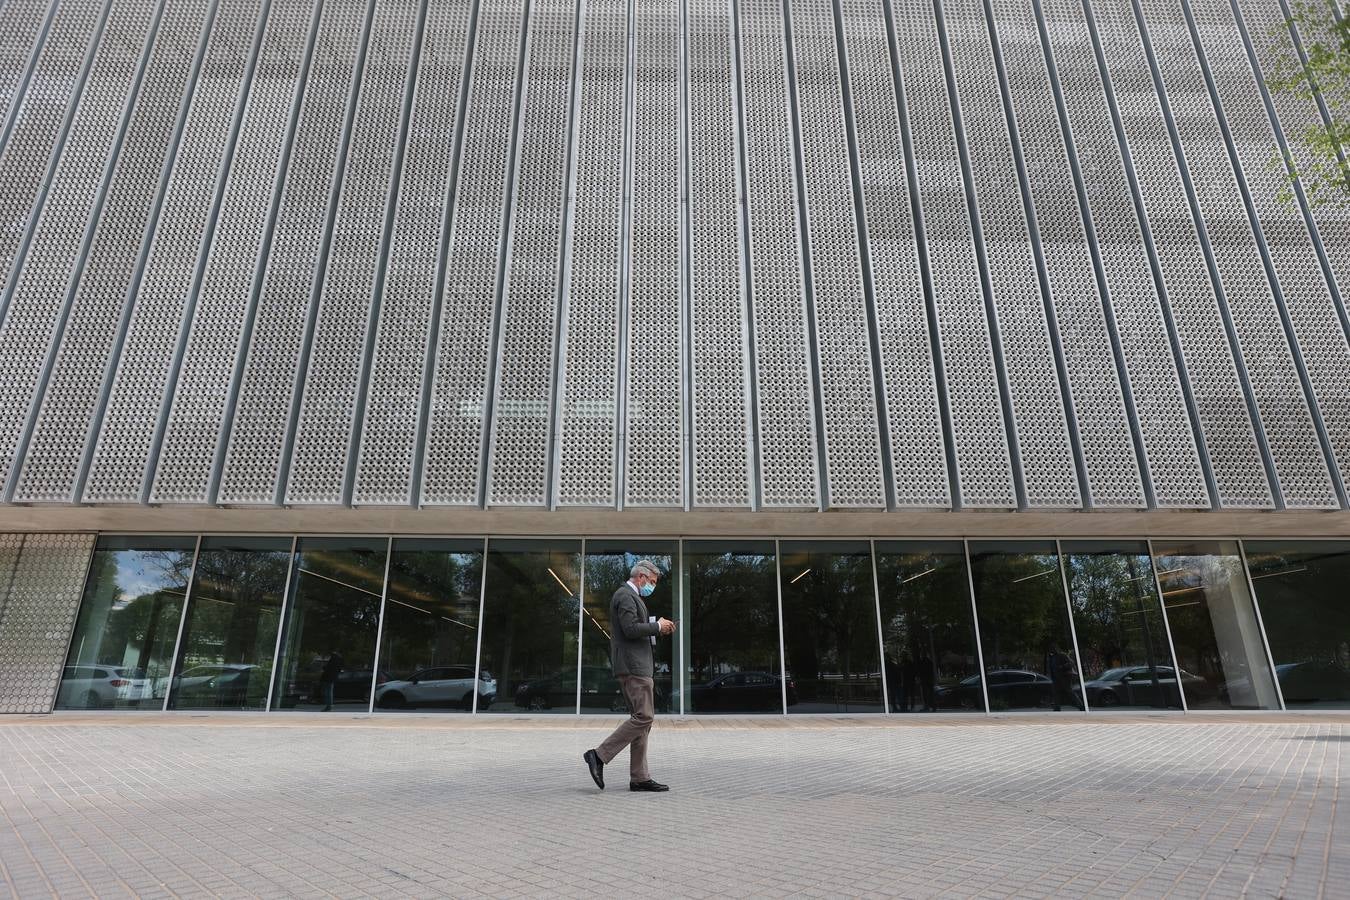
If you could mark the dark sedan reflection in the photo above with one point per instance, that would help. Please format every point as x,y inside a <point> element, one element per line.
<point>599,688</point>
<point>743,692</point>
<point>1313,682</point>
<point>1138,686</point>
<point>1008,689</point>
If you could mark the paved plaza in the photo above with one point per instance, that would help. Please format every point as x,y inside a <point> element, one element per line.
<point>244,805</point>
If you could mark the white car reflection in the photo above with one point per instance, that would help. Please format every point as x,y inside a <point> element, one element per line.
<point>441,686</point>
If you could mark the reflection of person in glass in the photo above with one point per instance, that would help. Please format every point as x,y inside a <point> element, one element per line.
<point>1062,674</point>
<point>328,678</point>
<point>631,640</point>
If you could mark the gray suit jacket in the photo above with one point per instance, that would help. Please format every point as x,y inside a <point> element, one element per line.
<point>630,644</point>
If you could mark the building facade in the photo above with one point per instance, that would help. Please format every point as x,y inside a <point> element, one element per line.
<point>947,354</point>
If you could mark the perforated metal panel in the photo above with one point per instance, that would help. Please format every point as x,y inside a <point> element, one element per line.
<point>718,314</point>
<point>1239,474</point>
<point>337,360</point>
<point>33,145</point>
<point>288,267</point>
<point>590,352</point>
<point>271,371</point>
<point>455,427</point>
<point>848,397</point>
<point>522,412</point>
<point>393,405</point>
<point>913,419</point>
<point>1295,115</point>
<point>39,303</point>
<point>1048,474</point>
<point>654,414</point>
<point>785,411</point>
<point>1160,405</point>
<point>20,42</point>
<point>118,470</point>
<point>1303,287</point>
<point>1289,430</point>
<point>983,468</point>
<point>82,369</point>
<point>1089,360</point>
<point>225,303</point>
<point>44,576</point>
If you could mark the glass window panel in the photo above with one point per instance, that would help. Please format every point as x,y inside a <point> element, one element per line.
<point>830,627</point>
<point>530,608</point>
<point>607,566</point>
<point>1122,641</point>
<point>122,647</point>
<point>1213,624</point>
<point>730,628</point>
<point>928,626</point>
<point>1305,606</point>
<point>430,639</point>
<point>1029,657</point>
<point>230,634</point>
<point>328,644</point>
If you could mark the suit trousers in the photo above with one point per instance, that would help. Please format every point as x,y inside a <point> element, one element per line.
<point>638,690</point>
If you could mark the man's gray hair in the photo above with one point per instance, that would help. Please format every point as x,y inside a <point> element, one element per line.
<point>644,567</point>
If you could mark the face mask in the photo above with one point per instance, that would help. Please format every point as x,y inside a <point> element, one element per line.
<point>647,589</point>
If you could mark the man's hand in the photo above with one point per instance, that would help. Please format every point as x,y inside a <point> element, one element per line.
<point>667,626</point>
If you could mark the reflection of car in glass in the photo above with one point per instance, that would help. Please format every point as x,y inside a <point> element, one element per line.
<point>599,689</point>
<point>92,687</point>
<point>223,685</point>
<point>441,686</point>
<point>1313,682</point>
<point>1007,688</point>
<point>352,686</point>
<point>1134,686</point>
<point>742,692</point>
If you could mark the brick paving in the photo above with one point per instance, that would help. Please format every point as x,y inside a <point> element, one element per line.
<point>424,806</point>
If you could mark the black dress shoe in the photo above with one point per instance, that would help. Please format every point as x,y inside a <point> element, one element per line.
<point>648,785</point>
<point>596,766</point>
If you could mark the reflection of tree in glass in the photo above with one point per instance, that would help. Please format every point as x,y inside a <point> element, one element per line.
<point>926,615</point>
<point>1021,603</point>
<point>830,624</point>
<point>733,614</point>
<point>1115,611</point>
<point>431,616</point>
<point>235,602</point>
<point>140,632</point>
<point>530,617</point>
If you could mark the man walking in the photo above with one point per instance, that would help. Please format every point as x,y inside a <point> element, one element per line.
<point>632,637</point>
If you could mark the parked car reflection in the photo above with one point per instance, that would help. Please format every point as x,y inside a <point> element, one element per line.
<point>1137,686</point>
<point>1008,688</point>
<point>94,687</point>
<point>599,689</point>
<point>219,685</point>
<point>444,686</point>
<point>743,692</point>
<point>1313,682</point>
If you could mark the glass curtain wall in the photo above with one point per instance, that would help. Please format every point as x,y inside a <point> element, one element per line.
<point>1029,657</point>
<point>928,627</point>
<point>1214,628</point>
<point>328,643</point>
<point>830,626</point>
<point>729,628</point>
<point>122,648</point>
<point>608,563</point>
<point>1117,615</point>
<point>1303,591</point>
<point>230,631</point>
<point>429,638</point>
<point>531,600</point>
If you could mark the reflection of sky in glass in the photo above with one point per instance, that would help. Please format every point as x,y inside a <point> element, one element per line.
<point>140,573</point>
